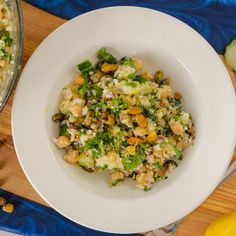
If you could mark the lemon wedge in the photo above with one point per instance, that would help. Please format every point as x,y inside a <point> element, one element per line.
<point>223,226</point>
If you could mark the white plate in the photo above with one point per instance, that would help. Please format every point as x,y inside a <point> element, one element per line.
<point>162,42</point>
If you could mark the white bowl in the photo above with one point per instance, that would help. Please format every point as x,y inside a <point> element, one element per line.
<point>162,42</point>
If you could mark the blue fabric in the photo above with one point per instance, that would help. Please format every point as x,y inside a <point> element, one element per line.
<point>215,20</point>
<point>33,219</point>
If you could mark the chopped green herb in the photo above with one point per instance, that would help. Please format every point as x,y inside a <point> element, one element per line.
<point>105,56</point>
<point>131,163</point>
<point>116,182</point>
<point>146,189</point>
<point>178,154</point>
<point>63,130</point>
<point>117,105</point>
<point>100,137</point>
<point>132,84</point>
<point>157,165</point>
<point>174,102</point>
<point>140,79</point>
<point>127,61</point>
<point>149,114</point>
<point>97,108</point>
<point>82,90</point>
<point>131,76</point>
<point>95,92</point>
<point>85,68</point>
<point>95,153</point>
<point>6,36</point>
<point>158,178</point>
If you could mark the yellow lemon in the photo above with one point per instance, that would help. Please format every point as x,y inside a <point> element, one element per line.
<point>223,226</point>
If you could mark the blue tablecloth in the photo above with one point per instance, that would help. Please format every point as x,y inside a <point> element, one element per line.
<point>213,19</point>
<point>33,219</point>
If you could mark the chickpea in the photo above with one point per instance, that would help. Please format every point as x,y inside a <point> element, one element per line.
<point>67,93</point>
<point>147,75</point>
<point>88,118</point>
<point>77,110</point>
<point>140,131</point>
<point>114,159</point>
<point>112,154</point>
<point>138,64</point>
<point>117,177</point>
<point>2,63</point>
<point>125,118</point>
<point>162,122</point>
<point>177,129</point>
<point>145,178</point>
<point>96,77</point>
<point>164,92</point>
<point>62,141</point>
<point>71,156</point>
<point>9,208</point>
<point>168,149</point>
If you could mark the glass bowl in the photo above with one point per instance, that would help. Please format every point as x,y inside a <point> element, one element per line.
<point>12,71</point>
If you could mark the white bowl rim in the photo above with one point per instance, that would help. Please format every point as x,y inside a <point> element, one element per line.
<point>16,137</point>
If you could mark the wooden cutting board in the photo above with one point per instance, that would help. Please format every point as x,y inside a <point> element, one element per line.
<point>38,25</point>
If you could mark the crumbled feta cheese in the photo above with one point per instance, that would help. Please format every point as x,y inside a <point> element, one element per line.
<point>83,139</point>
<point>78,101</point>
<point>160,115</point>
<point>107,93</point>
<point>157,147</point>
<point>185,118</point>
<point>64,106</point>
<point>67,93</point>
<point>144,101</point>
<point>112,161</point>
<point>124,71</point>
<point>115,81</point>
<point>74,134</point>
<point>151,125</point>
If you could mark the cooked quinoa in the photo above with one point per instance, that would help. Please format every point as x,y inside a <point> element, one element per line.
<point>6,40</point>
<point>117,117</point>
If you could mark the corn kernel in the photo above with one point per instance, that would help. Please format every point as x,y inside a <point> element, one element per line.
<point>152,137</point>
<point>131,150</point>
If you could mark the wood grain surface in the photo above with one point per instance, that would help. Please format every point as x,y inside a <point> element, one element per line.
<point>38,25</point>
